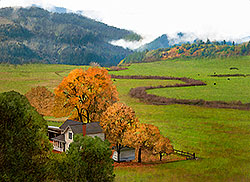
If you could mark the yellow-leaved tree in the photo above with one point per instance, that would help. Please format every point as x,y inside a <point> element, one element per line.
<point>85,94</point>
<point>116,121</point>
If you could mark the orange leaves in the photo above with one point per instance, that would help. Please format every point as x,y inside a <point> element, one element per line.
<point>143,136</point>
<point>42,99</point>
<point>116,121</point>
<point>147,137</point>
<point>162,145</point>
<point>89,92</point>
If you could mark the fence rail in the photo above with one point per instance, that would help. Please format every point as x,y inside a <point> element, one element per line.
<point>188,155</point>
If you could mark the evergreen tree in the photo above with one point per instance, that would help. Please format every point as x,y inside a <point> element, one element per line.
<point>24,145</point>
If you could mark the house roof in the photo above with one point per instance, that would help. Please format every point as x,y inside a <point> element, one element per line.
<point>69,122</point>
<point>77,127</point>
<point>92,128</point>
<point>59,138</point>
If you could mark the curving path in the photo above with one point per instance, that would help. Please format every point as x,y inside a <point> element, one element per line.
<point>140,93</point>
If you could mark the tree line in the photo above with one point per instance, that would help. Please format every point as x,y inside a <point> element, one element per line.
<point>198,49</point>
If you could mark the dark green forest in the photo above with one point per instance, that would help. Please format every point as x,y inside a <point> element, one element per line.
<point>36,35</point>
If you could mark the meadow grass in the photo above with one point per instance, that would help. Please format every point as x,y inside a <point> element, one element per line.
<point>22,78</point>
<point>219,137</point>
<point>51,123</point>
<point>218,88</point>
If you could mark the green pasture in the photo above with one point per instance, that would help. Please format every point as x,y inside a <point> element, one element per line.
<point>219,137</point>
<point>22,78</point>
<point>225,89</point>
<point>218,88</point>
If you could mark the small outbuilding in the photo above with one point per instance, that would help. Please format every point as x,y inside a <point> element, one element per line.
<point>126,154</point>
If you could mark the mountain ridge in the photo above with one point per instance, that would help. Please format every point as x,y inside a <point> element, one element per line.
<point>166,41</point>
<point>64,38</point>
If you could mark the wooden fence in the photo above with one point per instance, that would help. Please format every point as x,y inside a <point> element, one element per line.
<point>188,155</point>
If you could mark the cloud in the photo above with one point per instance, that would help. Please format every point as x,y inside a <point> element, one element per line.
<point>96,15</point>
<point>224,19</point>
<point>133,44</point>
<point>26,3</point>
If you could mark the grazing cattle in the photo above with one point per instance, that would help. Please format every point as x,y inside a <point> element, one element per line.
<point>234,68</point>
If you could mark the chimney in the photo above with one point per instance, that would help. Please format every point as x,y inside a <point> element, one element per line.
<point>84,129</point>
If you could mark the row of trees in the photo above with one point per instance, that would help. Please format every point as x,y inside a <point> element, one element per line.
<point>122,128</point>
<point>90,96</point>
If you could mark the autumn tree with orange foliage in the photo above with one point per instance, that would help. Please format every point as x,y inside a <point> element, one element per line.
<point>147,137</point>
<point>143,136</point>
<point>42,99</point>
<point>162,146</point>
<point>85,95</point>
<point>116,121</point>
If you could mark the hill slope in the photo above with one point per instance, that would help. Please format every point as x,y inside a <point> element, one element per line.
<point>199,49</point>
<point>36,35</point>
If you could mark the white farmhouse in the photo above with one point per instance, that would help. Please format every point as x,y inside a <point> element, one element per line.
<point>62,136</point>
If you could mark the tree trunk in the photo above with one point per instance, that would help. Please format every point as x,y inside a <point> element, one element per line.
<point>118,146</point>
<point>139,155</point>
<point>160,156</point>
<point>79,114</point>
<point>88,118</point>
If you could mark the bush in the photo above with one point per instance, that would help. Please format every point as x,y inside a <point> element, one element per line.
<point>88,159</point>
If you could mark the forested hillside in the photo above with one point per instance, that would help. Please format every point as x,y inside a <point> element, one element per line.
<point>199,49</point>
<point>36,35</point>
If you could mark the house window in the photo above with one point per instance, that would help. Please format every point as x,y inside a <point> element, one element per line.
<point>70,135</point>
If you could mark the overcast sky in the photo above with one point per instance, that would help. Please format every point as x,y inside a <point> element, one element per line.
<point>215,19</point>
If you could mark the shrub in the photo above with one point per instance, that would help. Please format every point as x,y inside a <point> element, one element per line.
<point>88,159</point>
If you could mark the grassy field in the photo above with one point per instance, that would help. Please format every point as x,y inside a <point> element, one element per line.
<point>219,137</point>
<point>22,78</point>
<point>232,89</point>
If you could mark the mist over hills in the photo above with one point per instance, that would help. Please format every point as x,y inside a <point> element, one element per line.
<point>37,35</point>
<point>166,41</point>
